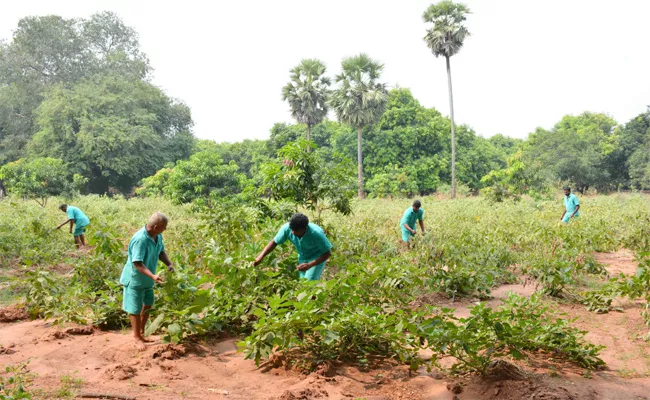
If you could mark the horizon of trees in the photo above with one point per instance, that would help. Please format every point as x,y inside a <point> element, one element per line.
<point>79,91</point>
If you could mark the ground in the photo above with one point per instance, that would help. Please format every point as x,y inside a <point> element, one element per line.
<point>107,363</point>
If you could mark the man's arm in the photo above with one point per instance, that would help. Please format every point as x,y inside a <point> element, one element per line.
<point>165,259</point>
<point>563,214</point>
<point>422,225</point>
<point>71,224</point>
<point>577,209</point>
<point>408,228</point>
<point>66,221</point>
<point>323,257</point>
<point>269,248</point>
<point>145,271</point>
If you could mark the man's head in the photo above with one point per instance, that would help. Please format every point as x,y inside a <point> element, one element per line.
<point>157,223</point>
<point>567,190</point>
<point>63,207</point>
<point>298,224</point>
<point>416,205</point>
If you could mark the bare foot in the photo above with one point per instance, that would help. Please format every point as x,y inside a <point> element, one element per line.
<point>139,345</point>
<point>147,339</point>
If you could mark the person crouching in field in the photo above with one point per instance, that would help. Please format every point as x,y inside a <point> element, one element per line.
<point>310,242</point>
<point>146,248</point>
<point>407,223</point>
<point>571,206</point>
<point>80,221</point>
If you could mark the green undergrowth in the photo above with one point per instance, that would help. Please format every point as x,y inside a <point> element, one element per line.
<point>361,309</point>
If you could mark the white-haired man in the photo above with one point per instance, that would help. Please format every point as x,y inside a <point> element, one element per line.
<point>146,248</point>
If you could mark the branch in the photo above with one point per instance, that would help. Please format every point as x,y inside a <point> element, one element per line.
<point>105,396</point>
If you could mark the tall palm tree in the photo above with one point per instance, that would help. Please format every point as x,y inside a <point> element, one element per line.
<point>359,100</point>
<point>446,38</point>
<point>307,93</point>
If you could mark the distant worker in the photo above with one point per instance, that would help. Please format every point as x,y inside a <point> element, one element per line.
<point>80,221</point>
<point>146,248</point>
<point>407,223</point>
<point>571,206</point>
<point>310,242</point>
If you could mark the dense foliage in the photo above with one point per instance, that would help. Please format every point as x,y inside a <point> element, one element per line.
<point>78,90</point>
<point>364,306</point>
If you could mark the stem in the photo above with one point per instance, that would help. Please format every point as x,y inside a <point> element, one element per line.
<point>359,163</point>
<point>453,133</point>
<point>308,137</point>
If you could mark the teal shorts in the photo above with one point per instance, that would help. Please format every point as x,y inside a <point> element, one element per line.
<point>79,230</point>
<point>313,273</point>
<point>567,218</point>
<point>406,235</point>
<point>136,298</point>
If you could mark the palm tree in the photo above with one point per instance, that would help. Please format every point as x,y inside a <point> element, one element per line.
<point>307,93</point>
<point>359,100</point>
<point>445,39</point>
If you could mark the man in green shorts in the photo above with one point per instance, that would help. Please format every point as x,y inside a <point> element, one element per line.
<point>407,223</point>
<point>80,221</point>
<point>310,242</point>
<point>571,206</point>
<point>146,248</point>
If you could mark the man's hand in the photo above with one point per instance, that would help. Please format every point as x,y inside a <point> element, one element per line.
<point>158,279</point>
<point>70,230</point>
<point>170,267</point>
<point>257,261</point>
<point>413,232</point>
<point>304,267</point>
<point>58,227</point>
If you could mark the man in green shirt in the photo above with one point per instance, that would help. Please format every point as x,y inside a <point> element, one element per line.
<point>146,248</point>
<point>571,206</point>
<point>310,242</point>
<point>77,218</point>
<point>407,223</point>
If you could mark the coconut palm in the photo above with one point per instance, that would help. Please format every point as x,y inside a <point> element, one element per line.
<point>307,93</point>
<point>359,99</point>
<point>446,38</point>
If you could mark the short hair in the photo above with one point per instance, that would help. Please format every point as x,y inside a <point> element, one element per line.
<point>62,206</point>
<point>298,222</point>
<point>417,204</point>
<point>567,188</point>
<point>157,218</point>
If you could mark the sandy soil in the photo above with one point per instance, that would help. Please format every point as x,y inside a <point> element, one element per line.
<point>213,369</point>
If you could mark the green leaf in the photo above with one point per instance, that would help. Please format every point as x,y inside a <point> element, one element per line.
<point>173,329</point>
<point>154,325</point>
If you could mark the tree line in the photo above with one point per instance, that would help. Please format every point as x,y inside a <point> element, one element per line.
<point>76,98</point>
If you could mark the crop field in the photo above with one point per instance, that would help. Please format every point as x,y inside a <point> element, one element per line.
<point>495,300</point>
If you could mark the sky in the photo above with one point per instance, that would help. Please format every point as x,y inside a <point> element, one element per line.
<point>527,63</point>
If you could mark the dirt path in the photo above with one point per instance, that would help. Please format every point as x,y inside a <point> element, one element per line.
<point>107,362</point>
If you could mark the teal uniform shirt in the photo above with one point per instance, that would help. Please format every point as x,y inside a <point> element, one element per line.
<point>570,204</point>
<point>310,246</point>
<point>143,248</point>
<point>409,218</point>
<point>80,219</point>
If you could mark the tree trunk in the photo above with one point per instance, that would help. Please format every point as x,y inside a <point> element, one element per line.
<point>360,164</point>
<point>453,133</point>
<point>308,137</point>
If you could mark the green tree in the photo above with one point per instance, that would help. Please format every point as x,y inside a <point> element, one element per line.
<point>516,180</point>
<point>577,150</point>
<point>308,180</point>
<point>634,150</point>
<point>205,176</point>
<point>395,181</point>
<point>359,100</point>
<point>113,130</point>
<point>307,93</point>
<point>50,50</point>
<point>37,179</point>
<point>446,38</point>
